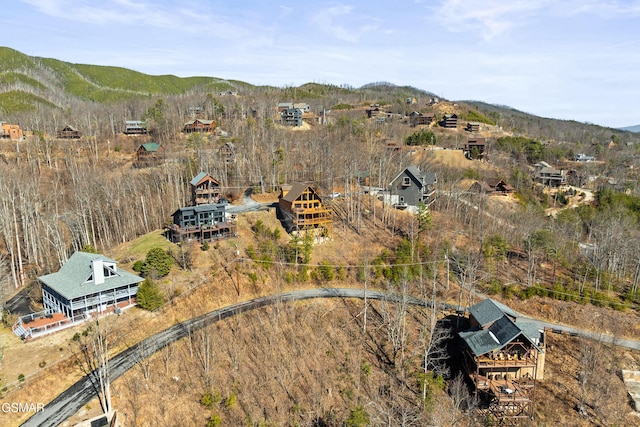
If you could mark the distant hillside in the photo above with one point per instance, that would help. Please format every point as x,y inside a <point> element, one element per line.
<point>635,128</point>
<point>27,82</point>
<point>548,129</point>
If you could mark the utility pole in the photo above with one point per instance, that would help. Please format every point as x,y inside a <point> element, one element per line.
<point>364,324</point>
<point>446,259</point>
<point>238,259</point>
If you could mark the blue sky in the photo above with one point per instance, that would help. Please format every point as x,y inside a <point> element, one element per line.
<point>577,60</point>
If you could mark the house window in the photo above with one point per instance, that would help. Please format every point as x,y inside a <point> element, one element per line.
<point>406,181</point>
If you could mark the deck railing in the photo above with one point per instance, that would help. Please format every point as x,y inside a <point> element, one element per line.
<point>26,332</point>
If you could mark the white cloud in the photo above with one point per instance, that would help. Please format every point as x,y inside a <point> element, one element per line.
<point>490,18</point>
<point>285,10</point>
<point>604,9</point>
<point>326,20</point>
<point>188,17</point>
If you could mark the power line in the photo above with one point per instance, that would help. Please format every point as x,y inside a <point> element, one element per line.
<point>411,264</point>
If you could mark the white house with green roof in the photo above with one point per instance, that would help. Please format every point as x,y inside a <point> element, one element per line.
<point>88,283</point>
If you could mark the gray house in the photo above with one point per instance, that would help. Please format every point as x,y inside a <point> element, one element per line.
<point>291,117</point>
<point>547,175</point>
<point>410,187</point>
<point>202,223</point>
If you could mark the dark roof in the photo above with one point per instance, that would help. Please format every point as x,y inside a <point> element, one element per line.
<point>492,182</point>
<point>502,328</point>
<point>202,208</point>
<point>499,334</point>
<point>481,186</point>
<point>530,329</point>
<point>488,311</point>
<point>296,190</point>
<point>421,179</point>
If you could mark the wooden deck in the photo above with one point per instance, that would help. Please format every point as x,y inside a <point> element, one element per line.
<point>515,362</point>
<point>38,324</point>
<point>41,322</point>
<point>509,391</point>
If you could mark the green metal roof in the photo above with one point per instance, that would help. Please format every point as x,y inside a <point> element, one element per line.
<point>72,280</point>
<point>150,146</point>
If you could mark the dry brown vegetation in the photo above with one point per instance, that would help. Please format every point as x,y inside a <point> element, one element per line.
<point>311,362</point>
<point>306,363</point>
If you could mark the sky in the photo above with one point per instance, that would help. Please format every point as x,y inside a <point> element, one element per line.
<point>571,59</point>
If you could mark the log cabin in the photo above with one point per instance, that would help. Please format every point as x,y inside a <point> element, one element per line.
<point>503,357</point>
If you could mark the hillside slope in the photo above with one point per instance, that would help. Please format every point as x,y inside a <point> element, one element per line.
<point>50,81</point>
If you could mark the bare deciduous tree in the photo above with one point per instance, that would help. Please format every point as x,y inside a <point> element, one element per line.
<point>91,352</point>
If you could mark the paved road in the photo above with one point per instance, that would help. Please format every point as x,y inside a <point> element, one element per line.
<point>75,397</point>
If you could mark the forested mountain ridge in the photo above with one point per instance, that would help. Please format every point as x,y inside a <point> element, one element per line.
<point>28,82</point>
<point>52,82</point>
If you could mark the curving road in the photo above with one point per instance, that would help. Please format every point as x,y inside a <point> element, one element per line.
<point>78,395</point>
<point>75,397</point>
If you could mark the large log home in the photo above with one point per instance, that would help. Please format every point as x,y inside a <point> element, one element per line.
<point>199,125</point>
<point>449,121</point>
<point>475,148</point>
<point>301,208</point>
<point>419,119</point>
<point>68,132</point>
<point>504,358</point>
<point>205,190</point>
<point>10,131</point>
<point>149,154</point>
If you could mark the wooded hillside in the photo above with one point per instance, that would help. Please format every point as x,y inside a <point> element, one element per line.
<point>319,363</point>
